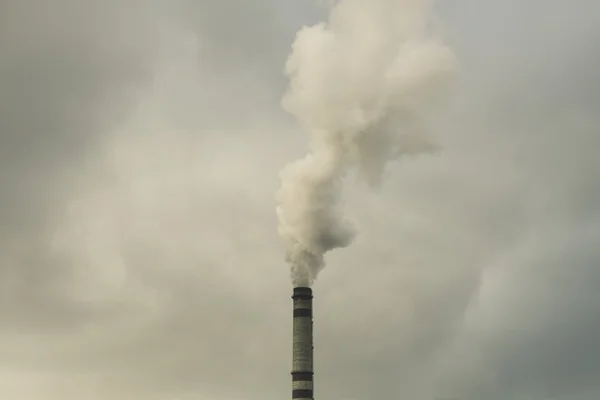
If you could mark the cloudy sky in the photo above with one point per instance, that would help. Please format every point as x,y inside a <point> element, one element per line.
<point>140,145</point>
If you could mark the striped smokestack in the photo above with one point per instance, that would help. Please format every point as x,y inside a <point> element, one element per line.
<point>302,353</point>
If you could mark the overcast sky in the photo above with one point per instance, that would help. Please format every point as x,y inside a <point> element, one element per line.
<point>140,145</point>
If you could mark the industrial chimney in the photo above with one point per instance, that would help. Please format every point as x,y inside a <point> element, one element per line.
<point>302,353</point>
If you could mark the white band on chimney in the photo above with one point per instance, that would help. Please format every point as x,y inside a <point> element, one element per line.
<point>302,385</point>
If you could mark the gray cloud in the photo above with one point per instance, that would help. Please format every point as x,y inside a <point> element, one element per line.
<point>535,323</point>
<point>69,72</point>
<point>139,148</point>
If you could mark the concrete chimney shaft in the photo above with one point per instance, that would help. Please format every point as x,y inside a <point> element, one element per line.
<point>302,355</point>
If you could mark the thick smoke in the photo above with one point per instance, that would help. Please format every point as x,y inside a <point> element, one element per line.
<point>360,84</point>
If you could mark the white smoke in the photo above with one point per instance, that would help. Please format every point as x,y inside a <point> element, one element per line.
<point>360,85</point>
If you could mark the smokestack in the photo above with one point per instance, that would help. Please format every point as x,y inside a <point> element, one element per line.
<point>302,353</point>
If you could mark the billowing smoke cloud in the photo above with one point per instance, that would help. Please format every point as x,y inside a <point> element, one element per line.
<point>360,84</point>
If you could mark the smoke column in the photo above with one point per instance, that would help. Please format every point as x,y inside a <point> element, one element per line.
<point>360,84</point>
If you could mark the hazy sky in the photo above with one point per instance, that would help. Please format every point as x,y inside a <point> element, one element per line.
<point>140,146</point>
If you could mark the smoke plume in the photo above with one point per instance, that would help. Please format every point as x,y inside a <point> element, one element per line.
<point>360,84</point>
